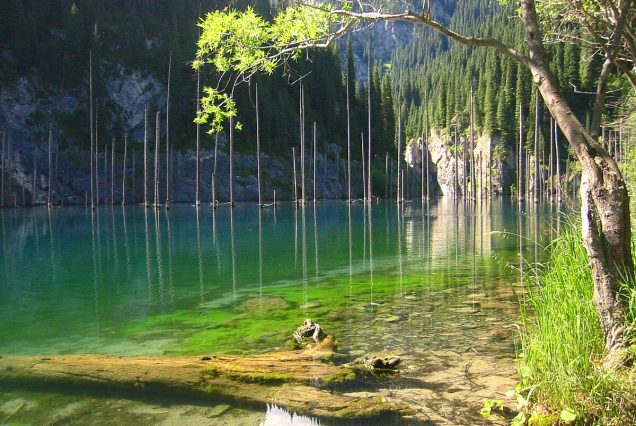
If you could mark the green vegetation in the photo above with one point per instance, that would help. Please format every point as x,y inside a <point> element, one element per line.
<point>563,345</point>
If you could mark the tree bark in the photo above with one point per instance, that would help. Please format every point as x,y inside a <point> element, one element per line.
<point>604,200</point>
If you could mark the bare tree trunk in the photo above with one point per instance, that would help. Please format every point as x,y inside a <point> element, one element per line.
<point>213,189</point>
<point>456,157</point>
<point>473,183</point>
<point>604,201</point>
<point>216,149</point>
<point>96,164</point>
<point>156,175</point>
<point>520,154</point>
<point>48,198</point>
<point>558,166</point>
<point>90,89</point>
<point>3,165</point>
<point>198,160</point>
<point>386,176</point>
<point>399,151</point>
<point>35,175</point>
<point>348,144</point>
<point>314,157</point>
<point>9,167</point>
<point>536,185</point>
<point>369,122</point>
<point>123,173</point>
<point>527,174</point>
<point>146,157</point>
<point>105,174</point>
<point>302,145</point>
<point>295,183</point>
<point>422,165</point>
<point>134,176</point>
<point>428,175</point>
<point>112,173</point>
<point>97,155</point>
<point>464,177</point>
<point>364,178</point>
<point>231,162</point>
<point>258,152</point>
<point>168,132</point>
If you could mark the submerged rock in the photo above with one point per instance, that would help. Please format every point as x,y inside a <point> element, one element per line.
<point>376,363</point>
<point>309,329</point>
<point>392,318</point>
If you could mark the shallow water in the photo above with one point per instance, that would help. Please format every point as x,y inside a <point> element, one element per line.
<point>425,282</point>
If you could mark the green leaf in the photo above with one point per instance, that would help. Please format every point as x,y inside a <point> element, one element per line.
<point>489,406</point>
<point>519,420</point>
<point>568,415</point>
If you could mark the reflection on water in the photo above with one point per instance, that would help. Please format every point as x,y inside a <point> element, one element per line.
<point>77,281</point>
<point>276,416</point>
<point>414,279</point>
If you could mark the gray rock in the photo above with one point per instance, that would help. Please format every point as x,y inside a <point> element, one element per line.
<point>309,329</point>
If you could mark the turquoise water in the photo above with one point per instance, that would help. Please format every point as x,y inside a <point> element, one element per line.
<point>136,281</point>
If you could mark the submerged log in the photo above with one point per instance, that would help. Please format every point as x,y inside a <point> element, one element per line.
<point>296,380</point>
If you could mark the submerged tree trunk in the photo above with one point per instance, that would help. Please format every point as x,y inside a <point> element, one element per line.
<point>604,200</point>
<point>293,379</point>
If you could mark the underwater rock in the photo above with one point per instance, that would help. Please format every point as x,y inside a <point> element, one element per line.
<point>392,318</point>
<point>376,363</point>
<point>309,329</point>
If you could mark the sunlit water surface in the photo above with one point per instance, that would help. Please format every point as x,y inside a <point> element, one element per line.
<point>136,281</point>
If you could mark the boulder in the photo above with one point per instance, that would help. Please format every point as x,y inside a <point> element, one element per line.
<point>309,329</point>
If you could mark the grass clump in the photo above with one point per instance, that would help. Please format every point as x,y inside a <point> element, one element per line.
<point>563,345</point>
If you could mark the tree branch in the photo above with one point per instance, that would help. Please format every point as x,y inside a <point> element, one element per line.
<point>416,18</point>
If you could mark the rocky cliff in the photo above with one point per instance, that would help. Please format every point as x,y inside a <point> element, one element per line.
<point>494,166</point>
<point>28,106</point>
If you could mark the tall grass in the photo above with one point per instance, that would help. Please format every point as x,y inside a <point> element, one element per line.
<point>562,343</point>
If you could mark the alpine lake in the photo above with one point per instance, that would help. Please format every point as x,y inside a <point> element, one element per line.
<point>437,283</point>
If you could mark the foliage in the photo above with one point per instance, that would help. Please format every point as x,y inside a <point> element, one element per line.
<point>241,43</point>
<point>562,344</point>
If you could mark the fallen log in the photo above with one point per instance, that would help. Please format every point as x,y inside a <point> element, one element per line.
<point>298,380</point>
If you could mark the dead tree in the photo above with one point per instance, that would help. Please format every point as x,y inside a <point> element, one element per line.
<point>123,172</point>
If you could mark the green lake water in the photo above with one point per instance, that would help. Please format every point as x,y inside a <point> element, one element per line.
<point>135,281</point>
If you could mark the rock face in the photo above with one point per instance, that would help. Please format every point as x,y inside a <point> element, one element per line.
<point>130,93</point>
<point>27,108</point>
<point>494,166</point>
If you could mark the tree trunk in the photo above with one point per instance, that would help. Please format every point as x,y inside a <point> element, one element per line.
<point>604,200</point>
<point>292,379</point>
